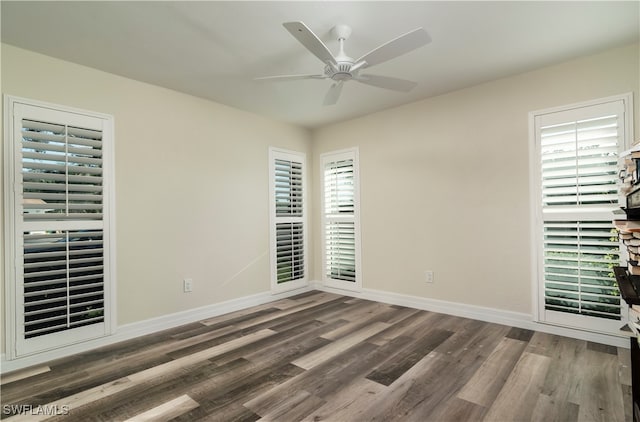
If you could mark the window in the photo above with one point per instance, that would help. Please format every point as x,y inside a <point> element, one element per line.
<point>577,149</point>
<point>288,220</point>
<point>340,220</point>
<point>58,226</point>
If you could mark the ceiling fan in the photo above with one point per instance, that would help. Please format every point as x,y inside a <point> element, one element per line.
<point>342,68</point>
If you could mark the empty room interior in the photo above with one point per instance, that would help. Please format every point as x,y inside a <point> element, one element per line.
<point>320,211</point>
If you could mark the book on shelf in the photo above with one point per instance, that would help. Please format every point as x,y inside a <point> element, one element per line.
<point>627,226</point>
<point>633,270</point>
<point>632,242</point>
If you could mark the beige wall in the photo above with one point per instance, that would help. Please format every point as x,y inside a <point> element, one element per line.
<point>191,184</point>
<point>445,181</point>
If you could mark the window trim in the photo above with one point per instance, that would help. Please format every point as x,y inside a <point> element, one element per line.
<point>11,163</point>
<point>537,220</point>
<point>331,156</point>
<point>289,155</point>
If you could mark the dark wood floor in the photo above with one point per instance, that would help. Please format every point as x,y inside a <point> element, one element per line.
<point>324,357</point>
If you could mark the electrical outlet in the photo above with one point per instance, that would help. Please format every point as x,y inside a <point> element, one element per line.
<point>428,276</point>
<point>187,285</point>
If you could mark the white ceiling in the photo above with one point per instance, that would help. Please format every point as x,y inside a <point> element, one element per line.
<point>214,49</point>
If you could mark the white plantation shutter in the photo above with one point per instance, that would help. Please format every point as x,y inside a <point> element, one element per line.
<point>63,280</point>
<point>578,152</point>
<point>61,172</point>
<point>288,220</point>
<point>340,250</point>
<point>579,162</point>
<point>290,252</point>
<point>578,261</point>
<point>288,188</point>
<point>340,219</point>
<point>339,186</point>
<point>61,231</point>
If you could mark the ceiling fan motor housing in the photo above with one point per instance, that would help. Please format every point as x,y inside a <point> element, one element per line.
<point>339,72</point>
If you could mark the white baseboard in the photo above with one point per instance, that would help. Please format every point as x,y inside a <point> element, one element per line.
<point>149,326</point>
<point>496,316</point>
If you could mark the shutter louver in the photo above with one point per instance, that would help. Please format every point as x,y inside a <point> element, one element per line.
<point>579,176</point>
<point>341,251</point>
<point>290,252</point>
<point>61,172</point>
<point>579,257</point>
<point>339,215</point>
<point>579,162</point>
<point>288,188</point>
<point>63,280</point>
<point>339,187</point>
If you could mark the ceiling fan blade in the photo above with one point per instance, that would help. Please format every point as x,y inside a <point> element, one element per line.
<point>289,77</point>
<point>397,47</point>
<point>387,82</point>
<point>307,38</point>
<point>333,94</point>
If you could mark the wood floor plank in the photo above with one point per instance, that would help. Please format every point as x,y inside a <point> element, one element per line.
<point>325,375</point>
<point>140,397</point>
<point>390,370</point>
<point>563,382</point>
<point>78,400</point>
<point>520,334</point>
<point>627,399</point>
<point>523,387</point>
<point>624,358</point>
<point>164,369</point>
<point>412,325</point>
<point>293,408</point>
<point>105,370</point>
<point>602,348</point>
<point>456,410</point>
<point>23,374</point>
<point>487,382</point>
<point>355,365</point>
<point>597,401</point>
<point>547,410</point>
<point>402,313</point>
<point>360,317</point>
<point>281,304</point>
<point>350,404</point>
<point>294,347</point>
<point>166,411</point>
<point>458,358</point>
<point>338,346</point>
<point>329,379</point>
<point>226,403</point>
<point>399,399</point>
<point>314,356</point>
<point>53,384</point>
<point>543,344</point>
